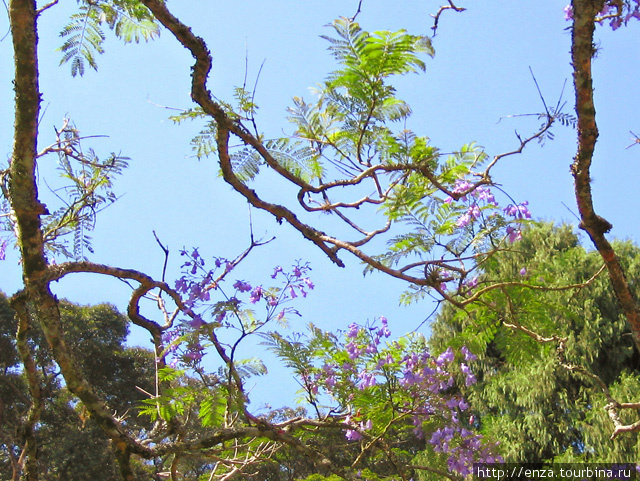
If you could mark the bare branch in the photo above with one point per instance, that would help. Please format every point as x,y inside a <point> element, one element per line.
<point>443,8</point>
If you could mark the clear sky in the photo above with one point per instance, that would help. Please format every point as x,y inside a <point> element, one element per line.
<point>479,76</point>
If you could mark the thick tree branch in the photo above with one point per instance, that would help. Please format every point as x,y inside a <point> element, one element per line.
<point>23,195</point>
<point>28,460</point>
<point>582,52</point>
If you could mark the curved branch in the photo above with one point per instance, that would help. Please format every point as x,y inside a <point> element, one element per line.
<point>582,51</point>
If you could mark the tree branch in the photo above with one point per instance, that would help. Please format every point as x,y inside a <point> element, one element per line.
<point>582,52</point>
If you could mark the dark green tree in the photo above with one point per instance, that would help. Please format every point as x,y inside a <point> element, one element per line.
<point>70,443</point>
<point>548,352</point>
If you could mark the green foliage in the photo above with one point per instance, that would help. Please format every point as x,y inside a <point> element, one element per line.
<point>87,189</point>
<point>392,391</point>
<point>71,445</point>
<point>294,156</point>
<point>524,398</point>
<point>130,20</point>
<point>370,58</point>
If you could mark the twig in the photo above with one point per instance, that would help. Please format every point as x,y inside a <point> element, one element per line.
<point>436,17</point>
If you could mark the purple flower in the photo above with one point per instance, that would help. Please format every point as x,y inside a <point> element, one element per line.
<point>196,322</point>
<point>514,234</point>
<point>308,282</point>
<point>256,294</point>
<point>604,11</point>
<point>292,292</point>
<point>474,211</point>
<point>523,271</point>
<point>242,286</point>
<point>446,356</point>
<point>367,379</point>
<point>353,350</point>
<point>3,249</point>
<point>484,193</point>
<point>615,23</point>
<point>470,379</point>
<point>353,330</point>
<point>352,435</point>
<point>519,211</point>
<point>568,12</point>
<point>464,220</point>
<point>462,186</point>
<point>384,330</point>
<point>182,285</point>
<point>468,355</point>
<point>276,270</point>
<point>471,283</point>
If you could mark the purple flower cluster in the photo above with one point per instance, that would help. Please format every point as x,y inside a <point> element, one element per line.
<point>618,14</point>
<point>481,198</point>
<point>472,196</point>
<point>464,448</point>
<point>422,389</point>
<point>181,347</point>
<point>518,211</point>
<point>196,281</point>
<point>197,285</point>
<point>3,249</point>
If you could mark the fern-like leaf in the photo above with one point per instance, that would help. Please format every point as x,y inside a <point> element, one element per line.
<point>128,19</point>
<point>84,39</point>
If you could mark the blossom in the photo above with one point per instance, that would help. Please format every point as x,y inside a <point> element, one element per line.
<point>256,294</point>
<point>464,220</point>
<point>242,286</point>
<point>474,211</point>
<point>353,350</point>
<point>519,211</point>
<point>568,12</point>
<point>196,322</point>
<point>470,379</point>
<point>523,271</point>
<point>276,270</point>
<point>384,330</point>
<point>353,330</point>
<point>471,283</point>
<point>352,435</point>
<point>194,355</point>
<point>446,356</point>
<point>468,355</point>
<point>514,234</point>
<point>462,186</point>
<point>367,379</point>
<point>484,193</point>
<point>3,249</point>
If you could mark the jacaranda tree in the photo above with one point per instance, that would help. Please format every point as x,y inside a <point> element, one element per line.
<point>439,214</point>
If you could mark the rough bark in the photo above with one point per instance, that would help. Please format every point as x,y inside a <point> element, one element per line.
<point>582,52</point>
<point>27,209</point>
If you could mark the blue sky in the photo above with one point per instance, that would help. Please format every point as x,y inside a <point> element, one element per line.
<point>481,74</point>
